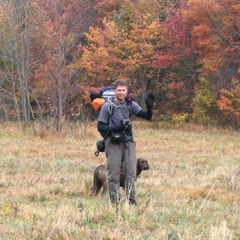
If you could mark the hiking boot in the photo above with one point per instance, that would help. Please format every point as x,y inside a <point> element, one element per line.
<point>132,202</point>
<point>114,200</point>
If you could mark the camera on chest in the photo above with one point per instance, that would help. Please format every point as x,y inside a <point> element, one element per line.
<point>125,123</point>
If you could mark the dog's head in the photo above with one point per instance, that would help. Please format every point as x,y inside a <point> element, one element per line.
<point>142,164</point>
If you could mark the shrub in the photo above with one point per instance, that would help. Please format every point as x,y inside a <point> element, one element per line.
<point>205,108</point>
<point>180,117</point>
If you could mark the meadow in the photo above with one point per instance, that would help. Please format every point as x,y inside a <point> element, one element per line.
<point>191,192</point>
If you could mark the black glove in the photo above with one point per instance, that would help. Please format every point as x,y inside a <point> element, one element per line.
<point>94,95</point>
<point>150,101</point>
<point>126,124</point>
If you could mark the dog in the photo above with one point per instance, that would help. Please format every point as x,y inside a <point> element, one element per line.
<point>100,176</point>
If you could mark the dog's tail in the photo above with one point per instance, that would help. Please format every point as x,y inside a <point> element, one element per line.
<point>94,185</point>
<point>97,184</point>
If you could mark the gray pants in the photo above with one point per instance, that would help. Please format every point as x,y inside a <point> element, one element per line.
<point>122,155</point>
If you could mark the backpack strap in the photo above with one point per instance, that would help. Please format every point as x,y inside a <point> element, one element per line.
<point>113,105</point>
<point>110,112</point>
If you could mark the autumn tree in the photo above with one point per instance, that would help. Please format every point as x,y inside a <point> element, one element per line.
<point>215,34</point>
<point>125,46</point>
<point>229,104</point>
<point>56,86</point>
<point>16,49</point>
<point>176,63</point>
<point>53,81</point>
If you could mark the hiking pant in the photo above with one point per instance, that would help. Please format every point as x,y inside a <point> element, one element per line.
<point>121,156</point>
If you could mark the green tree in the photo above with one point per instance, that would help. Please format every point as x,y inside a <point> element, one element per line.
<point>205,104</point>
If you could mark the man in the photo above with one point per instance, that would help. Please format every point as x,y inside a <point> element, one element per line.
<point>115,126</point>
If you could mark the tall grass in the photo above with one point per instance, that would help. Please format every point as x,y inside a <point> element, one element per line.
<point>191,191</point>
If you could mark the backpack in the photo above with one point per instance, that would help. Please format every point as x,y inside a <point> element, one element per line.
<point>106,94</point>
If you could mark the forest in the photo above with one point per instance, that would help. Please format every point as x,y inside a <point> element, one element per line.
<point>54,53</point>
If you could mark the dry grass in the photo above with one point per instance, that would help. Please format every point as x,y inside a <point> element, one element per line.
<point>191,192</point>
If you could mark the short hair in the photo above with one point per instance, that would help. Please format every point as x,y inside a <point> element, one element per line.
<point>120,82</point>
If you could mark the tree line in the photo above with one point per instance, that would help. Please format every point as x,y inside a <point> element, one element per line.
<point>53,53</point>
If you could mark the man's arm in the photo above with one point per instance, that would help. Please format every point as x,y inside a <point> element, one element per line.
<point>149,103</point>
<point>103,127</point>
<point>145,114</point>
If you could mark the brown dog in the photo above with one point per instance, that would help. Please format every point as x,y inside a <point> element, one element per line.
<point>100,176</point>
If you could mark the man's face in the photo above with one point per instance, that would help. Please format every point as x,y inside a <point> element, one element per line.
<point>121,92</point>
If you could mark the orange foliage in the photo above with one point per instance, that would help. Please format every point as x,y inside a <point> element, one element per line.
<point>215,25</point>
<point>229,102</point>
<point>112,51</point>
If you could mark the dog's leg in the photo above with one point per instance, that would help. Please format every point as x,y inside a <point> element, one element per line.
<point>98,187</point>
<point>105,188</point>
<point>94,185</point>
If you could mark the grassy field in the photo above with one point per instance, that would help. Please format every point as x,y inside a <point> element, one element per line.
<point>191,192</point>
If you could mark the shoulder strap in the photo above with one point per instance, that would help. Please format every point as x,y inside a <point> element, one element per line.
<point>130,109</point>
<point>110,112</point>
<point>110,108</point>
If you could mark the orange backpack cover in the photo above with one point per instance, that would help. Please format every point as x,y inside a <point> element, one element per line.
<point>97,103</point>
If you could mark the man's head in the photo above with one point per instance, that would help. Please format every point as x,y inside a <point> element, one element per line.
<point>120,88</point>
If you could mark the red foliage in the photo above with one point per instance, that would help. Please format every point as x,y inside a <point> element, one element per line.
<point>165,61</point>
